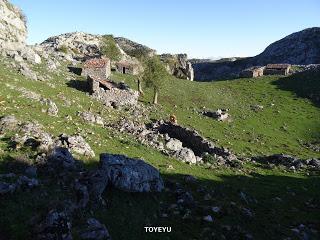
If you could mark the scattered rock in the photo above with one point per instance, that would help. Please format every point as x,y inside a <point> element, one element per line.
<point>95,231</point>
<point>91,118</point>
<point>53,109</point>
<point>8,123</point>
<point>288,161</point>
<point>26,71</point>
<point>256,107</point>
<point>22,182</point>
<point>56,225</point>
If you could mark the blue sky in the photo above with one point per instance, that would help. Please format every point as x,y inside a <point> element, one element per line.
<point>200,28</point>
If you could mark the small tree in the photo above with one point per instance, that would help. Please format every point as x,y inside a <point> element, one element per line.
<point>154,75</point>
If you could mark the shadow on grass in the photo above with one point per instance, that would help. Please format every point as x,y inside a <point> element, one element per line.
<point>79,85</point>
<point>266,206</point>
<point>304,85</point>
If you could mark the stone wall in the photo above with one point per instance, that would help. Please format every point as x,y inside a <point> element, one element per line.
<point>112,96</point>
<point>100,73</point>
<point>192,139</point>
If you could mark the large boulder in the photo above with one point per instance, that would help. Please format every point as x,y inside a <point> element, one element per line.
<point>131,175</point>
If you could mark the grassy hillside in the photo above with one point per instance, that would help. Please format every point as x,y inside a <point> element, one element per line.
<point>286,123</point>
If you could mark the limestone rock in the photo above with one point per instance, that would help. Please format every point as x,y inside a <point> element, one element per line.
<point>76,144</point>
<point>12,24</point>
<point>178,65</point>
<point>131,175</point>
<point>91,118</point>
<point>186,155</point>
<point>8,123</point>
<point>53,109</point>
<point>26,71</point>
<point>220,114</point>
<point>174,145</point>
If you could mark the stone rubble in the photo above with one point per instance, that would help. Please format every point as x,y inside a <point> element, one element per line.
<point>288,161</point>
<point>91,118</point>
<point>16,183</point>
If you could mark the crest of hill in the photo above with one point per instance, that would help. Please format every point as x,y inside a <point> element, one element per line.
<point>297,48</point>
<point>134,49</point>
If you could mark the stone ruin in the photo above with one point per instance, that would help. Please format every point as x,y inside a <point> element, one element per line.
<point>277,69</point>
<point>127,67</point>
<point>191,139</point>
<point>252,72</point>
<point>111,93</point>
<point>97,68</point>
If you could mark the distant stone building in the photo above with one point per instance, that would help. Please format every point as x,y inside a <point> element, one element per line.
<point>252,72</point>
<point>97,68</point>
<point>126,67</point>
<point>277,69</point>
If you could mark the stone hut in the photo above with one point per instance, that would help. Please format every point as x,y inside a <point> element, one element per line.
<point>111,93</point>
<point>126,67</point>
<point>252,72</point>
<point>277,69</point>
<point>97,68</point>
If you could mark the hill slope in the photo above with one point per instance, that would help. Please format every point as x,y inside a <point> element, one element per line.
<point>298,48</point>
<point>293,129</point>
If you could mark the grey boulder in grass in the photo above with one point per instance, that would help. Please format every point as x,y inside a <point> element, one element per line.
<point>132,175</point>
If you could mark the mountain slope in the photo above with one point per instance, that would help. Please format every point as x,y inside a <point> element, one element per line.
<point>298,48</point>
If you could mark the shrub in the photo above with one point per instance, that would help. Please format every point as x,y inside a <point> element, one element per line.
<point>208,158</point>
<point>63,49</point>
<point>109,48</point>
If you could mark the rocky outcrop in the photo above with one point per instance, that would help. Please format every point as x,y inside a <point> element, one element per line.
<point>178,65</point>
<point>134,49</point>
<point>13,28</point>
<point>79,46</point>
<point>298,48</point>
<point>73,45</point>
